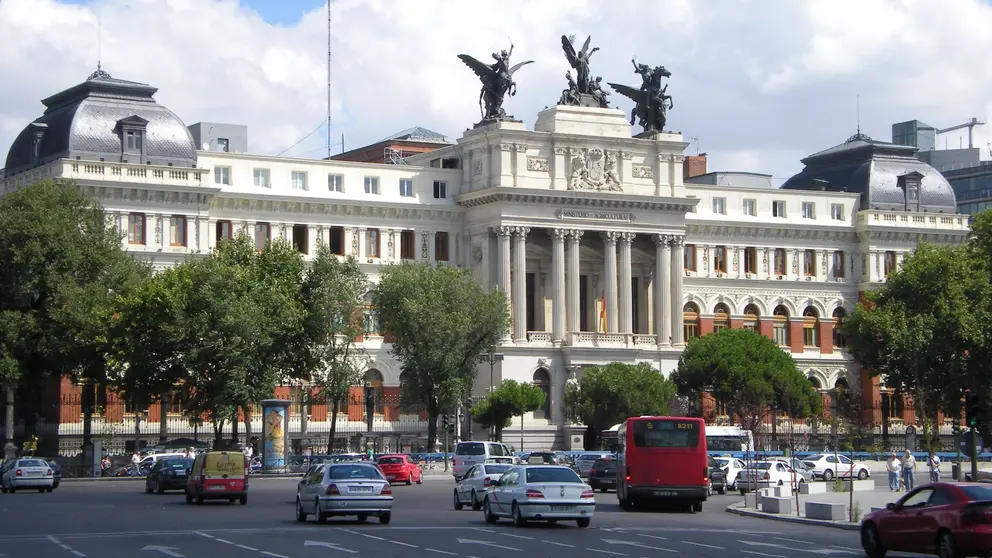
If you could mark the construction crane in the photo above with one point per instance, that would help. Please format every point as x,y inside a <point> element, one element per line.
<point>969,124</point>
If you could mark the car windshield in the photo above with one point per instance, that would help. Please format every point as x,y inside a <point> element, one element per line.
<point>551,474</point>
<point>762,466</point>
<point>472,448</point>
<point>977,493</point>
<point>539,458</point>
<point>495,469</point>
<point>588,457</point>
<point>722,462</point>
<point>339,472</point>
<point>177,463</point>
<point>390,460</point>
<point>31,463</point>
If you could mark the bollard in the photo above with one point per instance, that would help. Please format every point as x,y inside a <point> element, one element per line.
<point>956,471</point>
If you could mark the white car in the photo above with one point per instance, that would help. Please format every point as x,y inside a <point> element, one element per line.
<point>830,465</point>
<point>357,489</point>
<point>776,473</point>
<point>26,473</point>
<point>469,454</point>
<point>473,486</point>
<point>540,492</point>
<point>732,468</point>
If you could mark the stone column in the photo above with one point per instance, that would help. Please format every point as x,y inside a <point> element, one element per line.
<point>626,300</point>
<point>503,263</point>
<point>558,284</point>
<point>663,289</point>
<point>572,280</point>
<point>676,290</point>
<point>610,284</point>
<point>520,283</point>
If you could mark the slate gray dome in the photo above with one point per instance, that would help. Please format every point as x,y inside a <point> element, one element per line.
<point>107,119</point>
<point>879,171</point>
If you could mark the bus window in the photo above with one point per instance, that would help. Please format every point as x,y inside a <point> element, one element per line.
<point>666,434</point>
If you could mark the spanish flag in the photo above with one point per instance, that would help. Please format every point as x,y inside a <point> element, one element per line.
<point>602,314</point>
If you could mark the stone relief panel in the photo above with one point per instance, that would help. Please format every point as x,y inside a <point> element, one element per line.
<point>594,169</point>
<point>642,171</point>
<point>537,164</point>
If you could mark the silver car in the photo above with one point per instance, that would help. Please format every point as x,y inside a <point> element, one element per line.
<point>584,462</point>
<point>542,492</point>
<point>26,473</point>
<point>473,486</point>
<point>357,489</point>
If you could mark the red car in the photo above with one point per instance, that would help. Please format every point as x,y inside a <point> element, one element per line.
<point>949,520</point>
<point>400,468</point>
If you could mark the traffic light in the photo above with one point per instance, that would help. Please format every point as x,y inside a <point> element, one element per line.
<point>972,409</point>
<point>955,429</point>
<point>445,422</point>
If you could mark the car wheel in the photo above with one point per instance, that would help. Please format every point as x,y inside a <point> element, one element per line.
<point>50,489</point>
<point>626,504</point>
<point>384,518</point>
<point>160,488</point>
<point>721,490</point>
<point>189,498</point>
<point>946,547</point>
<point>582,522</point>
<point>243,499</point>
<point>458,503</point>
<point>362,518</point>
<point>476,506</point>
<point>604,490</point>
<point>41,490</point>
<point>518,518</point>
<point>199,500</point>
<point>828,475</point>
<point>420,479</point>
<point>409,480</point>
<point>696,507</point>
<point>862,474</point>
<point>870,542</point>
<point>301,515</point>
<point>487,511</point>
<point>781,482</point>
<point>743,492</point>
<point>148,488</point>
<point>321,516</point>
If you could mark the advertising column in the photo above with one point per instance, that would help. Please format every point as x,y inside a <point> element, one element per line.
<point>275,435</point>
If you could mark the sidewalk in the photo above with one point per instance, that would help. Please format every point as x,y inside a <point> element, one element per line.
<point>864,503</point>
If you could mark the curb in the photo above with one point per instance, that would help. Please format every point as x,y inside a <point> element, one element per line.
<point>792,519</point>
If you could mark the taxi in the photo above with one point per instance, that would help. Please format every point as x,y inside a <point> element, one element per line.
<point>218,475</point>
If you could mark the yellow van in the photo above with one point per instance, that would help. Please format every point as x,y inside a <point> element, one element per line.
<point>218,475</point>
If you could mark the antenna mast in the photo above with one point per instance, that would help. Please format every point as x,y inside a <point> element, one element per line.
<point>328,79</point>
<point>99,43</point>
<point>859,112</point>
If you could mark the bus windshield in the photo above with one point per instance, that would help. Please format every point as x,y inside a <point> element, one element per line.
<point>666,434</point>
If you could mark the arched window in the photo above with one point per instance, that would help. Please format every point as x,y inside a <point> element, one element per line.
<point>373,379</point>
<point>816,383</point>
<point>690,321</point>
<point>751,314</point>
<point>811,336</point>
<point>721,317</point>
<point>780,325</point>
<point>542,379</point>
<point>840,338</point>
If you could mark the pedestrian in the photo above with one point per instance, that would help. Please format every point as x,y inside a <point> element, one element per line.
<point>894,468</point>
<point>909,471</point>
<point>135,459</point>
<point>933,462</point>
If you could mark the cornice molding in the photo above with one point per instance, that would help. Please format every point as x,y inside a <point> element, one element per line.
<point>573,198</point>
<point>347,208</point>
<point>739,231</point>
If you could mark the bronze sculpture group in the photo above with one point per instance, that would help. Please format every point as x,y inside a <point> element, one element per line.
<point>651,102</point>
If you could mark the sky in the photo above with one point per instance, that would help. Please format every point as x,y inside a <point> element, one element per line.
<point>757,84</point>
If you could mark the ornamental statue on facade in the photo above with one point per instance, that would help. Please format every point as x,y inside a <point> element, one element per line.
<point>594,169</point>
<point>651,102</point>
<point>497,82</point>
<point>583,90</point>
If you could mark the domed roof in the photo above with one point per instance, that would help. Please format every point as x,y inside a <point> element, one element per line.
<point>877,170</point>
<point>90,121</point>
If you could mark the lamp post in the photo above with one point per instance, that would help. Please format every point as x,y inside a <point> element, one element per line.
<point>492,358</point>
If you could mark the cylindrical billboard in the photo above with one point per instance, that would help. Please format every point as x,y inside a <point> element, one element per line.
<point>275,435</point>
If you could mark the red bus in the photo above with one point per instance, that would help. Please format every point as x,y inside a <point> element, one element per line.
<point>662,458</point>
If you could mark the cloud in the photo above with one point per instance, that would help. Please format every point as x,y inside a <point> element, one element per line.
<point>759,83</point>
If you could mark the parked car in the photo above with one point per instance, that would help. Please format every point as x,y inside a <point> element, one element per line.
<point>732,468</point>
<point>56,471</point>
<point>217,475</point>
<point>718,478</point>
<point>168,474</point>
<point>949,520</point>
<point>830,465</point>
<point>798,466</point>
<point>771,472</point>
<point>473,486</point>
<point>400,468</point>
<point>586,460</point>
<point>26,473</point>
<point>603,474</point>
<point>542,492</point>
<point>468,454</point>
<point>337,489</point>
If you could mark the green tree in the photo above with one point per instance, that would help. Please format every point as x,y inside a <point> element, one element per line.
<point>979,357</point>
<point>331,361</point>
<point>441,320</point>
<point>919,328</point>
<point>509,400</point>
<point>749,373</point>
<point>607,395</point>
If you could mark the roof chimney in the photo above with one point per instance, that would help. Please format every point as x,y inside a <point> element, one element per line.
<point>695,165</point>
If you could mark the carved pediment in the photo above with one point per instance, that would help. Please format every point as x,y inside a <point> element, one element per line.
<point>594,169</point>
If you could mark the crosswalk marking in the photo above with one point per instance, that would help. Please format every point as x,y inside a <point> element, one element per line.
<point>703,545</point>
<point>762,554</point>
<point>441,551</point>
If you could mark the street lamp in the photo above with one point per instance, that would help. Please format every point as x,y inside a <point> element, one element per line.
<point>492,358</point>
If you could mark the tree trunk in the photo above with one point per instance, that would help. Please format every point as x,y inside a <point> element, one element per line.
<point>334,425</point>
<point>246,410</point>
<point>431,431</point>
<point>163,421</point>
<point>218,432</point>
<point>9,448</point>
<point>137,429</point>
<point>234,426</point>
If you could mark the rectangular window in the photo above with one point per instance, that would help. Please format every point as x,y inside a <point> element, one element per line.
<point>136,228</point>
<point>720,206</point>
<point>222,175</point>
<point>809,210</point>
<point>720,259</point>
<point>441,246</point>
<point>223,145</point>
<point>177,230</point>
<point>301,239</point>
<point>889,263</point>
<point>665,433</point>
<point>262,236</point>
<point>837,211</point>
<point>372,185</point>
<point>335,183</point>
<point>406,187</point>
<point>809,263</point>
<point>912,193</point>
<point>780,333</point>
<point>336,243</point>
<point>837,264</point>
<point>372,243</point>
<point>261,178</point>
<point>778,208</point>
<point>299,180</point>
<point>750,260</point>
<point>440,190</point>
<point>809,334</point>
<point>224,230</point>
<point>133,141</point>
<point>689,257</point>
<point>779,261</point>
<point>407,241</point>
<point>750,207</point>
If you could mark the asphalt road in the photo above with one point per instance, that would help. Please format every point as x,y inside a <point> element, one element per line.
<point>117,519</point>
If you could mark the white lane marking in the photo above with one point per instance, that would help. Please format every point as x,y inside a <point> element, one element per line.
<point>405,544</point>
<point>517,536</point>
<point>793,540</point>
<point>246,547</point>
<point>616,542</point>
<point>64,546</point>
<point>844,547</point>
<point>225,541</point>
<point>483,530</point>
<point>606,551</point>
<point>205,535</point>
<point>652,537</point>
<point>77,553</point>
<point>441,551</point>
<point>372,536</point>
<point>560,544</point>
<point>273,554</point>
<point>703,545</point>
<point>54,540</point>
<point>761,554</point>
<point>485,543</point>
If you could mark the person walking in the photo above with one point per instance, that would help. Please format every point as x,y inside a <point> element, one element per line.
<point>933,463</point>
<point>909,471</point>
<point>894,467</point>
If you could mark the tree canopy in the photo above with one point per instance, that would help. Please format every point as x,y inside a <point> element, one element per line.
<point>441,320</point>
<point>509,400</point>
<point>748,372</point>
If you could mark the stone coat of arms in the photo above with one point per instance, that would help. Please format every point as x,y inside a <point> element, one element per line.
<point>594,169</point>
